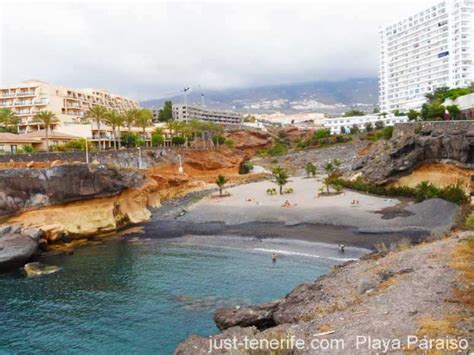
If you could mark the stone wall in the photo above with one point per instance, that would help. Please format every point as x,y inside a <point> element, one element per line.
<point>128,158</point>
<point>451,127</point>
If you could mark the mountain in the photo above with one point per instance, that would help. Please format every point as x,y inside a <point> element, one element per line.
<point>331,97</point>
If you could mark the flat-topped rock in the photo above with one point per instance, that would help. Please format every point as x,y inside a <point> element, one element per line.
<point>17,246</point>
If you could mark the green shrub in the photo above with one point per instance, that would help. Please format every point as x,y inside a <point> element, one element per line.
<point>311,169</point>
<point>274,161</point>
<point>157,139</point>
<point>218,140</point>
<point>129,139</point>
<point>229,143</point>
<point>54,148</point>
<point>78,144</point>
<point>423,191</point>
<point>377,135</point>
<point>379,125</point>
<point>245,167</point>
<point>470,221</point>
<point>454,193</point>
<point>28,149</point>
<point>301,144</point>
<point>388,132</point>
<point>321,133</point>
<point>275,149</point>
<point>178,140</point>
<point>272,191</point>
<point>355,129</point>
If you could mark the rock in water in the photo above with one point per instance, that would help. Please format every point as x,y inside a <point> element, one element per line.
<point>38,269</point>
<point>15,250</point>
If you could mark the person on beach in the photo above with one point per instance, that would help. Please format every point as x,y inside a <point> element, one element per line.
<point>274,257</point>
<point>341,248</point>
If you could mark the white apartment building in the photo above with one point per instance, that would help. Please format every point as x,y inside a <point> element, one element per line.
<point>68,104</point>
<point>337,124</point>
<point>432,48</point>
<point>187,112</point>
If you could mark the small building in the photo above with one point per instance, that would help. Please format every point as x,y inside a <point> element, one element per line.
<point>188,112</point>
<point>465,104</point>
<point>339,125</point>
<point>54,138</point>
<point>11,143</point>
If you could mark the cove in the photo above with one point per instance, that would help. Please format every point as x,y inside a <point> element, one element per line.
<point>140,294</point>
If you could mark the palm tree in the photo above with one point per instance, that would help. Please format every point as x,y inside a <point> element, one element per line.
<point>114,120</point>
<point>48,118</point>
<point>8,118</point>
<point>195,127</point>
<point>220,182</point>
<point>329,167</point>
<point>173,126</point>
<point>144,120</point>
<point>311,169</point>
<point>130,117</point>
<point>99,114</point>
<point>281,177</point>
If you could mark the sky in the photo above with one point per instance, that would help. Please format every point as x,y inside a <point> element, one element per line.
<point>147,50</point>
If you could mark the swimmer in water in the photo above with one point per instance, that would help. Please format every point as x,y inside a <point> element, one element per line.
<point>274,257</point>
<point>341,248</point>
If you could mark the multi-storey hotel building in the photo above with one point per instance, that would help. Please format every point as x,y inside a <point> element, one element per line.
<point>187,112</point>
<point>68,104</point>
<point>431,49</point>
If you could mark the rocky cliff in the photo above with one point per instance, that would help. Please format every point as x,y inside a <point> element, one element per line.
<point>406,292</point>
<point>22,189</point>
<point>415,144</point>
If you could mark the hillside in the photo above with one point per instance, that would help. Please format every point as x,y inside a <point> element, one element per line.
<point>321,96</point>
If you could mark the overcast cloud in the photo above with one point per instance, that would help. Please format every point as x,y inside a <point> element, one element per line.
<point>146,50</point>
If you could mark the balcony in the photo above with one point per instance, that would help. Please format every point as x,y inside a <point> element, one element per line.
<point>23,112</point>
<point>25,93</point>
<point>23,103</point>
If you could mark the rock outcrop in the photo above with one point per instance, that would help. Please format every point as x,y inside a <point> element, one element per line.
<point>17,245</point>
<point>249,140</point>
<point>414,144</point>
<point>22,189</point>
<point>260,316</point>
<point>384,297</point>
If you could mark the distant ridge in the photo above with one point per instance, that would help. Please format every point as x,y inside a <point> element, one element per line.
<point>322,96</point>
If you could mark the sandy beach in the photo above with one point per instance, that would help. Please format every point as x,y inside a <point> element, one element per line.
<point>250,211</point>
<point>250,203</point>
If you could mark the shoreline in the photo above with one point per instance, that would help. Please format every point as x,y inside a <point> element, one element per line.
<point>318,233</point>
<point>223,216</point>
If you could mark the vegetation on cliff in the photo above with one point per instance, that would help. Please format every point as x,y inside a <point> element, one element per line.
<point>423,191</point>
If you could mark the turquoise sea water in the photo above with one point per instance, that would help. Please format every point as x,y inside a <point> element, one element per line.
<point>147,295</point>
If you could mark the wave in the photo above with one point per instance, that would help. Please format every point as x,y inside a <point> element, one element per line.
<point>296,253</point>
